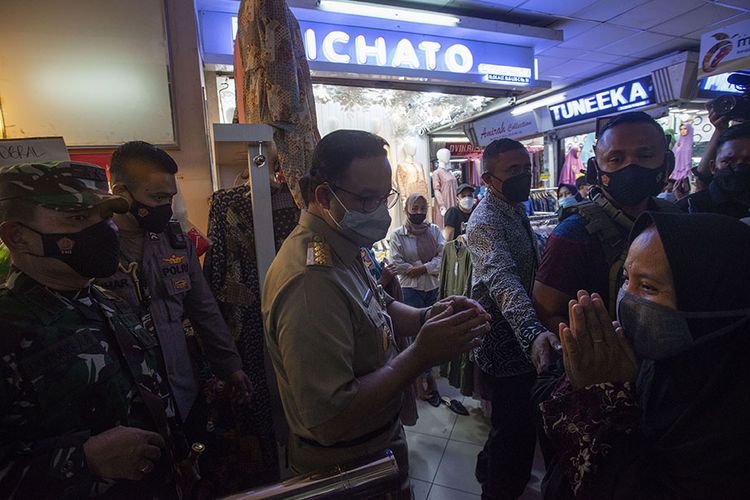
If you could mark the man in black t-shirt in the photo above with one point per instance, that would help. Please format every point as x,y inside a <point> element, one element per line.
<point>457,217</point>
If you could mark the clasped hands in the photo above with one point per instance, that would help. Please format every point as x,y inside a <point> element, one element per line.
<point>454,325</point>
<point>416,271</point>
<point>595,349</point>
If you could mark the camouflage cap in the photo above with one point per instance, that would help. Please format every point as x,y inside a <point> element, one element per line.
<point>61,185</point>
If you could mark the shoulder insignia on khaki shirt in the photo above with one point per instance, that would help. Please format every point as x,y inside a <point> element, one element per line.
<point>319,253</point>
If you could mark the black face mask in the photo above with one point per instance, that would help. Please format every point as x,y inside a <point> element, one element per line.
<point>733,181</point>
<point>517,188</point>
<point>417,219</point>
<point>633,184</point>
<point>93,252</point>
<point>152,219</point>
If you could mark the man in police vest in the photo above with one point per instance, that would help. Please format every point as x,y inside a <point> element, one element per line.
<point>159,273</point>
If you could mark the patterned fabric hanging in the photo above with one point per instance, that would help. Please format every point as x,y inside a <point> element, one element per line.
<point>246,440</point>
<point>274,85</point>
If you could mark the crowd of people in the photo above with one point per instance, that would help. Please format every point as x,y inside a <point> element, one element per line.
<point>619,348</point>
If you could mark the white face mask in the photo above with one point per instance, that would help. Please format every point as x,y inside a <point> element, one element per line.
<point>467,203</point>
<point>363,229</point>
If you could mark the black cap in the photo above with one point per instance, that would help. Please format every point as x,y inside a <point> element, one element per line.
<point>464,187</point>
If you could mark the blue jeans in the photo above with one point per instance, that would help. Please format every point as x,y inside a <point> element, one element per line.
<point>418,298</point>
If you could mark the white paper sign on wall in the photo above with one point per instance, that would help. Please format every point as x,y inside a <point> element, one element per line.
<point>32,150</point>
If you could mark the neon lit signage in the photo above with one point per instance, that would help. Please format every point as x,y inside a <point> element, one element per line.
<point>362,50</point>
<point>625,97</point>
<point>350,49</point>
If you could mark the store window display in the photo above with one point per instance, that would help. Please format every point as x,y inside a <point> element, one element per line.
<point>410,177</point>
<point>445,186</point>
<point>572,166</point>
<point>683,152</point>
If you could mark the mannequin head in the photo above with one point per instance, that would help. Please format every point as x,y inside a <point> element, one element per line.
<point>409,149</point>
<point>376,127</point>
<point>444,157</point>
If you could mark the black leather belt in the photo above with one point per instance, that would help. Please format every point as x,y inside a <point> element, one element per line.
<point>354,442</point>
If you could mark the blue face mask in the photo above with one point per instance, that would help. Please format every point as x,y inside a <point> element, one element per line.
<point>658,332</point>
<point>567,201</point>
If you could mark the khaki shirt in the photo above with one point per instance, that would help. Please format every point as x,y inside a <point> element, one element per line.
<point>326,326</point>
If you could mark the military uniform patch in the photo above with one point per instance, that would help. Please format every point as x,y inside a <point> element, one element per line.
<point>319,253</point>
<point>174,259</point>
<point>65,245</point>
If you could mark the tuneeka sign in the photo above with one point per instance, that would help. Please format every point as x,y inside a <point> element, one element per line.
<point>625,97</point>
<point>504,125</point>
<point>364,50</point>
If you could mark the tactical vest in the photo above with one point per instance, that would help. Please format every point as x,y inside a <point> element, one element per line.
<point>606,223</point>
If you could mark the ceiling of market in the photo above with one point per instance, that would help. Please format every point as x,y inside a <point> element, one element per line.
<point>600,36</point>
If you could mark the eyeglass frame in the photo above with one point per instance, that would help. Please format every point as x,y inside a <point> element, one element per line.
<point>363,199</point>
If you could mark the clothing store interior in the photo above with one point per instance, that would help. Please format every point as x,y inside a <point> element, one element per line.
<point>399,249</point>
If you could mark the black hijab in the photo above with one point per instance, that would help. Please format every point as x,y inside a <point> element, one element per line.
<point>696,406</point>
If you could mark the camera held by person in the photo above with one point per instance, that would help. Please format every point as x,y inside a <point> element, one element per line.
<point>734,107</point>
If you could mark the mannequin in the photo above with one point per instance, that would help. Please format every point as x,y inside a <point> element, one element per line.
<point>410,178</point>
<point>683,152</point>
<point>444,184</point>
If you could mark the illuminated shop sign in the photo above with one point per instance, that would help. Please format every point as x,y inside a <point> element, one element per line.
<point>504,125</point>
<point>368,51</point>
<point>625,97</point>
<point>364,50</point>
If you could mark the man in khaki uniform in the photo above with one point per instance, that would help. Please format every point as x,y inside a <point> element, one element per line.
<point>330,328</point>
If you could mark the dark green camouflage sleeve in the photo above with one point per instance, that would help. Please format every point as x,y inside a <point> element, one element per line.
<point>54,466</point>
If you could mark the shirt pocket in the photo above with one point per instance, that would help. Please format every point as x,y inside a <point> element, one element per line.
<point>177,283</point>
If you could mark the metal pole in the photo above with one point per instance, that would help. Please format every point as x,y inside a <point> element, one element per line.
<point>260,188</point>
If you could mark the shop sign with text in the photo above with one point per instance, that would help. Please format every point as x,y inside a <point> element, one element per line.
<point>461,148</point>
<point>365,50</point>
<point>628,96</point>
<point>504,125</point>
<point>725,49</point>
<point>32,150</point>
<point>362,50</point>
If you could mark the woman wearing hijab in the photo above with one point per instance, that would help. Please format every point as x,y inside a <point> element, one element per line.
<point>656,405</point>
<point>572,166</point>
<point>416,252</point>
<point>683,153</point>
<point>567,195</point>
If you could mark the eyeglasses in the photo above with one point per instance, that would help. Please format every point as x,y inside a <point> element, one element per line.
<point>369,204</point>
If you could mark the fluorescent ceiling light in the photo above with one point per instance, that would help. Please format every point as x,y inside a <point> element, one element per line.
<point>395,14</point>
<point>525,108</point>
<point>450,139</point>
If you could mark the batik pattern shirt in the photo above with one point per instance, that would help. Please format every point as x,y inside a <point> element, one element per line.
<point>504,259</point>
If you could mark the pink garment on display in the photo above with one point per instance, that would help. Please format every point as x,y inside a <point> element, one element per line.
<point>572,167</point>
<point>445,186</point>
<point>683,154</point>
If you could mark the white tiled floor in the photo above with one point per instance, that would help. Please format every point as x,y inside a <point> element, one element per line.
<point>443,448</point>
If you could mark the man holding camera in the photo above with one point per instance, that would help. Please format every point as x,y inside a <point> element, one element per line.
<point>728,192</point>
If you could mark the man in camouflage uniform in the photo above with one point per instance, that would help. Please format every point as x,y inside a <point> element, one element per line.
<point>83,409</point>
